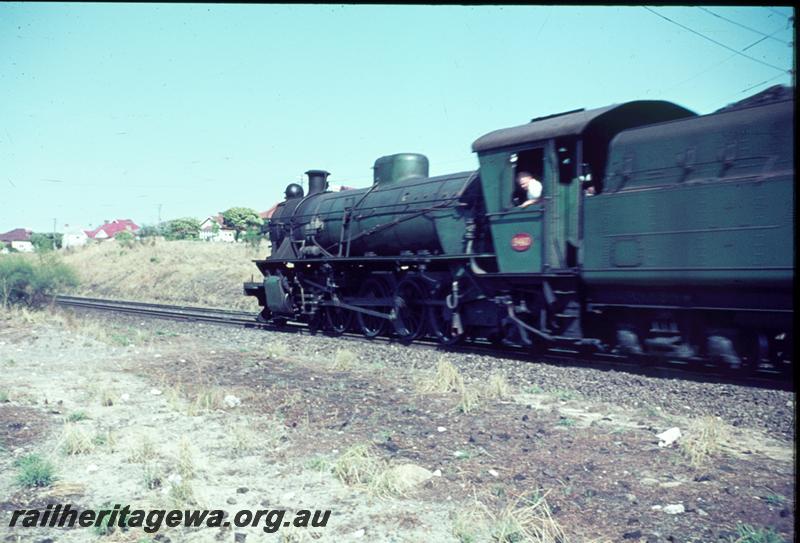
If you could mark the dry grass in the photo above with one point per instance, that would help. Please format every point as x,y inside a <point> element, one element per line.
<point>703,440</point>
<point>344,360</point>
<point>469,400</point>
<point>525,520</point>
<point>207,399</point>
<point>397,480</point>
<point>276,350</point>
<point>497,388</point>
<point>76,440</point>
<point>152,475</point>
<point>181,492</point>
<point>182,272</point>
<point>143,451</point>
<point>104,393</point>
<point>445,379</point>
<point>186,464</point>
<point>358,465</point>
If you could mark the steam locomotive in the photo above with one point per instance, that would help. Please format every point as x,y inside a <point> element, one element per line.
<point>659,233</point>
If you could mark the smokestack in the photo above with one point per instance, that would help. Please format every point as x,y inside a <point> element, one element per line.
<point>317,181</point>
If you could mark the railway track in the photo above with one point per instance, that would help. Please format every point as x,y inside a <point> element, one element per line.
<point>604,362</point>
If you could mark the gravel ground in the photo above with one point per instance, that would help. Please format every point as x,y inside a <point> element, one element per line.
<point>584,437</point>
<point>772,411</point>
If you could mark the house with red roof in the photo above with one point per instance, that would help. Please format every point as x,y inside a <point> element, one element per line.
<point>18,239</point>
<point>111,229</point>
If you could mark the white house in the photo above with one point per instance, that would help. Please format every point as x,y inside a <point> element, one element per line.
<point>75,237</point>
<point>214,229</point>
<point>18,239</point>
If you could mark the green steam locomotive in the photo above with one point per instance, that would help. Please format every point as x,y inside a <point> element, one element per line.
<point>657,233</point>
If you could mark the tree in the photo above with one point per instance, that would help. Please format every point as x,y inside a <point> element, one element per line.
<point>184,228</point>
<point>149,230</point>
<point>43,241</point>
<point>125,239</point>
<point>253,237</point>
<point>241,219</point>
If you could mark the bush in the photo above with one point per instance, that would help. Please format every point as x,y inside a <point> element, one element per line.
<point>23,281</point>
<point>125,239</point>
<point>43,242</point>
<point>185,228</point>
<point>35,471</point>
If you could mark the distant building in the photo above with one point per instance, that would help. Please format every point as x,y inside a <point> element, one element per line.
<point>74,237</point>
<point>111,229</point>
<point>220,232</point>
<point>18,239</point>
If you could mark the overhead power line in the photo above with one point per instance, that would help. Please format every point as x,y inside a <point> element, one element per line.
<point>766,36</point>
<point>759,84</point>
<point>716,42</point>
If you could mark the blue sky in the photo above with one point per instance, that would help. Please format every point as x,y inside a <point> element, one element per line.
<point>110,110</point>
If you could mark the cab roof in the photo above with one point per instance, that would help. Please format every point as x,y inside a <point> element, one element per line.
<point>614,118</point>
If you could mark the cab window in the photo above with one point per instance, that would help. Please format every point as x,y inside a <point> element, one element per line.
<point>527,177</point>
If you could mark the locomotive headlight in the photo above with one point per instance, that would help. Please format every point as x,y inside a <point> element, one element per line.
<point>290,265</point>
<point>403,267</point>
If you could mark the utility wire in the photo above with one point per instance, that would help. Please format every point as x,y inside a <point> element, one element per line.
<point>779,13</point>
<point>759,84</point>
<point>764,38</point>
<point>744,26</point>
<point>716,42</point>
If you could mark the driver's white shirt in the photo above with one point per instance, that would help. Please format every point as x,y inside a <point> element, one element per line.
<point>534,189</point>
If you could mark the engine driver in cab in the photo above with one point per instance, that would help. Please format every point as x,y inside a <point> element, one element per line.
<point>529,189</point>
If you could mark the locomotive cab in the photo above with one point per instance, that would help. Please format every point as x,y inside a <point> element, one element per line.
<point>569,151</point>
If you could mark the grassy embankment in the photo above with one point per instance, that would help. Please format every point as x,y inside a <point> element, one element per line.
<point>179,272</point>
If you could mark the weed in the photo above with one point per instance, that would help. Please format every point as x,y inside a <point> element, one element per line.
<point>186,467</point>
<point>152,475</point>
<point>775,499</point>
<point>471,524</point>
<point>242,440</point>
<point>343,360</point>
<point>446,379</point>
<point>76,440</point>
<point>397,480</point>
<point>206,400</point>
<point>534,389</point>
<point>143,451</point>
<point>77,416</point>
<point>175,399</point>
<point>106,439</point>
<point>746,533</point>
<point>564,395</point>
<point>104,527</point>
<point>497,388</point>
<point>276,350</point>
<point>566,421</point>
<point>527,519</point>
<point>463,455</point>
<point>357,465</point>
<point>180,492</point>
<point>319,463</point>
<point>35,471</point>
<point>3,396</point>
<point>106,396</point>
<point>468,401</point>
<point>703,440</point>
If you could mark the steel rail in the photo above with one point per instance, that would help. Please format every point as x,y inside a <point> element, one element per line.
<point>601,361</point>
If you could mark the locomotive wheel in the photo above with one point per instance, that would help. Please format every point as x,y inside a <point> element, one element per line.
<point>338,320</point>
<point>440,321</point>
<point>409,309</point>
<point>373,326</point>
